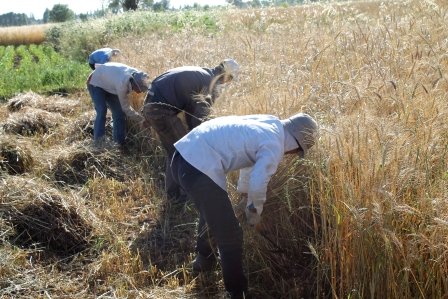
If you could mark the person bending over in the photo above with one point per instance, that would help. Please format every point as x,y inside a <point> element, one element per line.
<point>110,85</point>
<point>189,89</point>
<point>253,144</point>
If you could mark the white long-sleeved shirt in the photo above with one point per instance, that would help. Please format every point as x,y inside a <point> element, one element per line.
<point>114,77</point>
<point>253,144</point>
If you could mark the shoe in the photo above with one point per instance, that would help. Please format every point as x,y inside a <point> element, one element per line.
<point>204,264</point>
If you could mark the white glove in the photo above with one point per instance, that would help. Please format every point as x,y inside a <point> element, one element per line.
<point>240,208</point>
<point>252,216</point>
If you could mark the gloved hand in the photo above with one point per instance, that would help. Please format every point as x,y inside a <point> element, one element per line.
<point>240,208</point>
<point>252,216</point>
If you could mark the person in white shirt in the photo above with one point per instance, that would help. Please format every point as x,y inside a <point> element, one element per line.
<point>253,144</point>
<point>109,85</point>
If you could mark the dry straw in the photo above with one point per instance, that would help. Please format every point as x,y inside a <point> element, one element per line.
<point>31,121</point>
<point>15,158</point>
<point>23,35</point>
<point>41,219</point>
<point>55,103</point>
<point>78,164</point>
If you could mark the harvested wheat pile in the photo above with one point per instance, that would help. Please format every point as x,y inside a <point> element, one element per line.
<point>14,157</point>
<point>54,103</point>
<point>41,218</point>
<point>18,102</point>
<point>141,140</point>
<point>31,121</point>
<point>81,163</point>
<point>82,127</point>
<point>138,140</point>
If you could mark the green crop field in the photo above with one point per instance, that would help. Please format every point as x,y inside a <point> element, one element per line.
<point>38,68</point>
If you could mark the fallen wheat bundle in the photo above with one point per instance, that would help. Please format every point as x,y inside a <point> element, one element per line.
<point>14,157</point>
<point>41,218</point>
<point>54,103</point>
<point>31,121</point>
<point>81,163</point>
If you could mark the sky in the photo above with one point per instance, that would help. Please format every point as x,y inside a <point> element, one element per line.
<point>37,7</point>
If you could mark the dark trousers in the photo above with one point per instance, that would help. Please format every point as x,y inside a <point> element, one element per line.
<point>215,212</point>
<point>163,117</point>
<point>170,129</point>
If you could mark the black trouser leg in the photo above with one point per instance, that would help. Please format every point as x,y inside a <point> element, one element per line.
<point>203,241</point>
<point>216,209</point>
<point>170,129</point>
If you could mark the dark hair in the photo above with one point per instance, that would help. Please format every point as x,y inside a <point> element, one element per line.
<point>134,84</point>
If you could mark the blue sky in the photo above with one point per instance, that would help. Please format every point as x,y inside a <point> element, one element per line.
<point>37,7</point>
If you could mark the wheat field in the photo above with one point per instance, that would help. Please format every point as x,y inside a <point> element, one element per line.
<point>19,35</point>
<point>365,215</point>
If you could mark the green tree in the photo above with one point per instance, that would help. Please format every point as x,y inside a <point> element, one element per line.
<point>83,17</point>
<point>114,5</point>
<point>46,16</point>
<point>15,19</point>
<point>237,3</point>
<point>130,5</point>
<point>61,13</point>
<point>161,5</point>
<point>146,4</point>
<point>117,5</point>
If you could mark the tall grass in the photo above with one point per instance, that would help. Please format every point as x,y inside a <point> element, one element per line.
<point>78,39</point>
<point>382,184</point>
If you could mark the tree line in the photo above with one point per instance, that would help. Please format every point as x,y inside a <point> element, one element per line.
<point>62,13</point>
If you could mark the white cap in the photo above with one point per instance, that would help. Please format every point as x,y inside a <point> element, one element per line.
<point>231,67</point>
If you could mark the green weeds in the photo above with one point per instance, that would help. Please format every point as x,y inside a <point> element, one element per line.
<point>40,69</point>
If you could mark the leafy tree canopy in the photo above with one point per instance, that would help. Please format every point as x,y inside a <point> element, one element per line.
<point>60,13</point>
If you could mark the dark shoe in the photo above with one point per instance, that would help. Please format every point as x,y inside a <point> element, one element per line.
<point>204,264</point>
